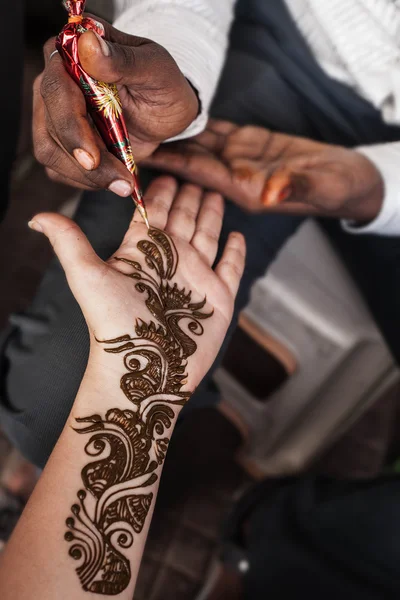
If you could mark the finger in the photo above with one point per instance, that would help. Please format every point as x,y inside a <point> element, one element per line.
<point>47,150</point>
<point>213,138</point>
<point>199,167</point>
<point>58,178</point>
<point>183,214</point>
<point>66,107</point>
<point>208,227</point>
<point>221,127</point>
<point>68,125</point>
<point>247,142</point>
<point>69,242</point>
<point>116,62</point>
<point>158,200</point>
<point>230,267</point>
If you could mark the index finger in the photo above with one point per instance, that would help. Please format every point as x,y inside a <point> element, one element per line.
<point>66,107</point>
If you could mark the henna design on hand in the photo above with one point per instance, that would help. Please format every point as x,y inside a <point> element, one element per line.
<point>130,445</point>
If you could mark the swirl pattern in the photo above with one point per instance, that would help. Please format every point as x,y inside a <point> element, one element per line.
<point>129,446</point>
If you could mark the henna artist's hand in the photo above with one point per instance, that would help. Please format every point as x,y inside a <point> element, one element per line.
<point>157,100</point>
<point>262,170</point>
<point>111,302</point>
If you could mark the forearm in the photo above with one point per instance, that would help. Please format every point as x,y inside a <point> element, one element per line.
<point>86,523</point>
<point>84,527</point>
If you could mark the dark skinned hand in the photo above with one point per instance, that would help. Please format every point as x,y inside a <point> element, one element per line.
<point>261,170</point>
<point>157,100</point>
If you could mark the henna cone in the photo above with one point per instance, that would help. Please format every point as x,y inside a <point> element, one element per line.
<point>102,99</point>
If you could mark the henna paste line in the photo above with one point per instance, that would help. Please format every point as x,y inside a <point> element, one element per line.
<point>130,445</point>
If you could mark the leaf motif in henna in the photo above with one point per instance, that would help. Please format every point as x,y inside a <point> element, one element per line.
<point>169,248</point>
<point>128,446</point>
<point>153,256</point>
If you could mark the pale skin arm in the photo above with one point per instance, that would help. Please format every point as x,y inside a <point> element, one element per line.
<point>36,562</point>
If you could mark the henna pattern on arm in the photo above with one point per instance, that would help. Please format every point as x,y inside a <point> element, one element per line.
<point>130,445</point>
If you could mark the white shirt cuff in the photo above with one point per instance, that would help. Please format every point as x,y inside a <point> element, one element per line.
<point>196,39</point>
<point>386,158</point>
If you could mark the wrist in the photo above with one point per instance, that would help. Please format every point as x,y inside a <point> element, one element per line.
<point>370,205</point>
<point>197,96</point>
<point>366,202</point>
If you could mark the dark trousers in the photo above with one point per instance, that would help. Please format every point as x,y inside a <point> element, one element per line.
<point>44,351</point>
<point>317,538</point>
<point>11,68</point>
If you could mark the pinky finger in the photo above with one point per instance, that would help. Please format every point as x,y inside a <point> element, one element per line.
<point>231,265</point>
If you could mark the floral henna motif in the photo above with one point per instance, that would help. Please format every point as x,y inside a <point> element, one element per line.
<point>130,445</point>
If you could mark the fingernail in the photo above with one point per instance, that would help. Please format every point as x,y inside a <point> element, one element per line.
<point>105,48</point>
<point>35,226</point>
<point>120,187</point>
<point>85,159</point>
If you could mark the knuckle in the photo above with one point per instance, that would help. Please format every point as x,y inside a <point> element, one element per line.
<point>50,86</point>
<point>159,54</point>
<point>191,189</point>
<point>186,212</point>
<point>46,152</point>
<point>103,175</point>
<point>60,236</point>
<point>165,181</point>
<point>208,233</point>
<point>216,211</point>
<point>42,151</point>
<point>126,60</point>
<point>238,239</point>
<point>232,268</point>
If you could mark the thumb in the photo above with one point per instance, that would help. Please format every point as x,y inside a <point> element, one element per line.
<point>114,62</point>
<point>68,240</point>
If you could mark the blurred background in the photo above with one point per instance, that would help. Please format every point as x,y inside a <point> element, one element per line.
<point>291,400</point>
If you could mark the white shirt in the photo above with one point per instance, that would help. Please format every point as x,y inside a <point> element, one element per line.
<point>355,41</point>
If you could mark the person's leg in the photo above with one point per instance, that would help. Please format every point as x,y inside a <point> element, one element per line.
<point>317,537</point>
<point>374,263</point>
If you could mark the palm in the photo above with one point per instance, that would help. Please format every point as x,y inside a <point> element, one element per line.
<point>113,292</point>
<point>259,169</point>
<point>238,161</point>
<point>161,278</point>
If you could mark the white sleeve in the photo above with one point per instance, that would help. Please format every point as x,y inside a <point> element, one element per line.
<point>386,158</point>
<point>195,33</point>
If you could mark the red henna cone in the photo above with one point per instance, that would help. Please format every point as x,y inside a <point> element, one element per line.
<point>102,99</point>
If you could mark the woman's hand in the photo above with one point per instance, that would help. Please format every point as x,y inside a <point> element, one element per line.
<point>157,100</point>
<point>112,302</point>
<point>262,170</point>
<point>157,315</point>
